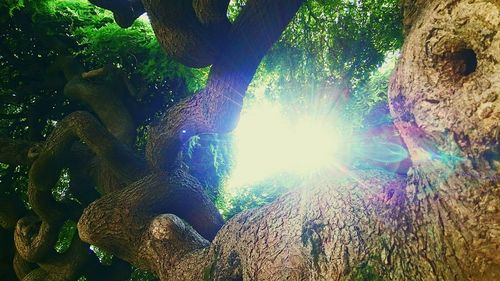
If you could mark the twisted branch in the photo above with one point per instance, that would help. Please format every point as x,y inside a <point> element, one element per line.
<point>216,109</point>
<point>34,239</point>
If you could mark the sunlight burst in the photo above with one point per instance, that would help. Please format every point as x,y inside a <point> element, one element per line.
<point>267,142</point>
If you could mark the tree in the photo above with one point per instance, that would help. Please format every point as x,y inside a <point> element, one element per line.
<point>439,222</point>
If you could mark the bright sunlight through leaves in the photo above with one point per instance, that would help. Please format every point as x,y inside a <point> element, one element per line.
<point>268,141</point>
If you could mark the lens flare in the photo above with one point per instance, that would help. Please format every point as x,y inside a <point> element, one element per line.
<point>268,142</point>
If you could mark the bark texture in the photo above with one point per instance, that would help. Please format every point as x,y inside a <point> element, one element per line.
<point>193,32</point>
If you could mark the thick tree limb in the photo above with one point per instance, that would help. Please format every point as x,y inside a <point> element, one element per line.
<point>102,222</point>
<point>255,239</point>
<point>67,266</point>
<point>34,236</point>
<point>34,239</point>
<point>165,238</point>
<point>105,102</point>
<point>38,275</point>
<point>428,227</point>
<point>399,230</point>
<point>169,234</point>
<point>22,267</point>
<point>216,109</point>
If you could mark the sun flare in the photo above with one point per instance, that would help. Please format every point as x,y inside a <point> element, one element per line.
<point>268,141</point>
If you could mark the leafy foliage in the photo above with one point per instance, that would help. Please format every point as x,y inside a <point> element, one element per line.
<point>137,48</point>
<point>66,235</point>
<point>232,202</point>
<point>12,5</point>
<point>104,257</point>
<point>330,44</point>
<point>370,94</point>
<point>208,158</point>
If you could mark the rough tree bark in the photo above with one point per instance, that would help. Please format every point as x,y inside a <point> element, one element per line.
<point>440,222</point>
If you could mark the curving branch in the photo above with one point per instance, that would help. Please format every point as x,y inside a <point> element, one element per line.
<point>77,260</point>
<point>67,266</point>
<point>35,236</point>
<point>149,234</point>
<point>170,189</point>
<point>216,109</point>
<point>37,275</point>
<point>104,159</point>
<point>78,126</point>
<point>34,239</point>
<point>22,267</point>
<point>102,222</point>
<point>171,248</point>
<point>188,39</point>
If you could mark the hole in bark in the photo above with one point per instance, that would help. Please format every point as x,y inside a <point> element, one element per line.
<point>463,62</point>
<point>493,157</point>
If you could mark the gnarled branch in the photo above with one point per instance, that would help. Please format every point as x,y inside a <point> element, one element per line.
<point>81,126</point>
<point>216,109</point>
<point>34,239</point>
<point>135,207</point>
<point>183,35</point>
